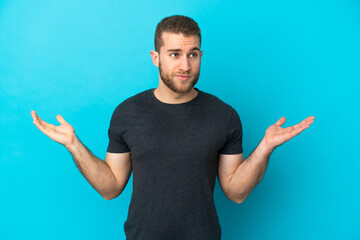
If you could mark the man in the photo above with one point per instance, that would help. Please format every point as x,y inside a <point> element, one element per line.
<point>174,139</point>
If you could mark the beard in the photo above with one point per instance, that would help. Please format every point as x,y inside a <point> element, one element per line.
<point>170,81</point>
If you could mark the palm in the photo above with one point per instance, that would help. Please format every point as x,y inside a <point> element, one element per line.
<point>275,135</point>
<point>63,134</point>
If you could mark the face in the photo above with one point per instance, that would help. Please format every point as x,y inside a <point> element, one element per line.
<point>179,61</point>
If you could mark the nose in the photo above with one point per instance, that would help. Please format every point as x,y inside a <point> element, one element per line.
<point>184,64</point>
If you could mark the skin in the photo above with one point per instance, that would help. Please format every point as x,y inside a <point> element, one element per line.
<point>108,177</point>
<point>179,56</point>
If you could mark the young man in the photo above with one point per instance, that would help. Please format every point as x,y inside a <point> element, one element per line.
<point>174,139</point>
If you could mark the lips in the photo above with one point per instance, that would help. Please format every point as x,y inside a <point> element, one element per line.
<point>183,77</point>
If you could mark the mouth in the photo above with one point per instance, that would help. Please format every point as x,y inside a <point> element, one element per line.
<point>183,77</point>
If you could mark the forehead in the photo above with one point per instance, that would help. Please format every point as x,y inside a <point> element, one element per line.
<point>179,41</point>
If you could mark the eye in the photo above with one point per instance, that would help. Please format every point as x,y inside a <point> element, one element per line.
<point>193,55</point>
<point>174,54</point>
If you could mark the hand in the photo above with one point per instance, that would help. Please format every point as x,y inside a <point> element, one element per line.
<point>63,134</point>
<point>275,135</point>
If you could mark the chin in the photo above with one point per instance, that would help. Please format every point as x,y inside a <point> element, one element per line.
<point>184,89</point>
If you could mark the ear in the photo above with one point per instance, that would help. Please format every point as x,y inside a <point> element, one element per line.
<point>155,57</point>
<point>201,52</point>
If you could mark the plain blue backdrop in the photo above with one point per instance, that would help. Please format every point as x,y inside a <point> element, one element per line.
<point>267,59</point>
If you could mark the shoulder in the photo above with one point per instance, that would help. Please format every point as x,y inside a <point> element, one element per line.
<point>136,101</point>
<point>217,103</point>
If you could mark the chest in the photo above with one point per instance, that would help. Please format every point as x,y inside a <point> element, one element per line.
<point>186,134</point>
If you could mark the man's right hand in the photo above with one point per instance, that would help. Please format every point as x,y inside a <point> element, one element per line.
<point>108,177</point>
<point>63,134</point>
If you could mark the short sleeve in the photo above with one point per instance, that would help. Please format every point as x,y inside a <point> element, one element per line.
<point>234,136</point>
<point>115,133</point>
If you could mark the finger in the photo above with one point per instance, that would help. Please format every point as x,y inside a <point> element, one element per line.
<point>36,117</point>
<point>296,130</point>
<point>309,120</point>
<point>33,114</point>
<point>306,122</point>
<point>300,125</point>
<point>42,125</point>
<point>60,119</point>
<point>280,122</point>
<point>299,129</point>
<point>41,128</point>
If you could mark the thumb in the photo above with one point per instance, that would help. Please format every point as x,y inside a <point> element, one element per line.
<point>60,119</point>
<point>280,122</point>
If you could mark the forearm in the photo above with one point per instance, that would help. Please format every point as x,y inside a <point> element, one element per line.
<point>95,171</point>
<point>250,172</point>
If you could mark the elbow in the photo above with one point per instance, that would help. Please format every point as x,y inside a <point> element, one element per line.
<point>110,196</point>
<point>236,197</point>
<point>113,193</point>
<point>239,198</point>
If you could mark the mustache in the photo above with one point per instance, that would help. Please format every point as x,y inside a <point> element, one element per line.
<point>183,74</point>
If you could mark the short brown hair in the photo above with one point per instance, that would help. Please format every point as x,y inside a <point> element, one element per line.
<point>175,24</point>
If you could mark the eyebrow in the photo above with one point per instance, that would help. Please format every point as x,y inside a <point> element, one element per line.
<point>179,50</point>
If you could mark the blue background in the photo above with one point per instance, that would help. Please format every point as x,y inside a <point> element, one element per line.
<point>267,59</point>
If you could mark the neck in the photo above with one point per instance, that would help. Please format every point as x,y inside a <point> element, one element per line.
<point>166,95</point>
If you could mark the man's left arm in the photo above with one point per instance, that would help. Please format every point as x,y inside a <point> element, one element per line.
<point>237,177</point>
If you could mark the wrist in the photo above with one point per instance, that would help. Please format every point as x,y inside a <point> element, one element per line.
<point>265,147</point>
<point>73,145</point>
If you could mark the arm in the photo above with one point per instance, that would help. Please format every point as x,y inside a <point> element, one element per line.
<point>237,177</point>
<point>108,177</point>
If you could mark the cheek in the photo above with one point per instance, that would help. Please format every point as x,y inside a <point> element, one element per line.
<point>171,67</point>
<point>196,65</point>
<point>166,63</point>
<point>168,68</point>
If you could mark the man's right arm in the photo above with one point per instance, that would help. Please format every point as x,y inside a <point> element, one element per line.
<point>108,177</point>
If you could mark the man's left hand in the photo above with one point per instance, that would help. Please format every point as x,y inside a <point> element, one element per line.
<point>275,135</point>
